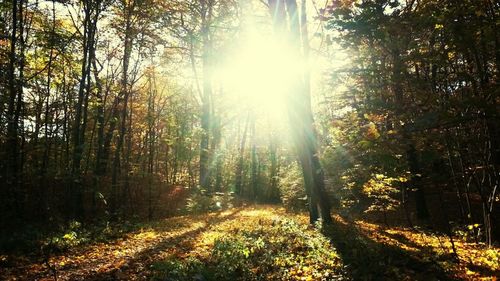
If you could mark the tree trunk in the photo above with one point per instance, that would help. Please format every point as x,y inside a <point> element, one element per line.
<point>274,193</point>
<point>151,146</point>
<point>99,161</point>
<point>11,167</point>
<point>411,152</point>
<point>300,112</point>
<point>254,165</point>
<point>238,185</point>
<point>206,14</point>
<point>124,93</point>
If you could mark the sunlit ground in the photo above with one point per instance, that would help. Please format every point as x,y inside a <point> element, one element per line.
<point>265,242</point>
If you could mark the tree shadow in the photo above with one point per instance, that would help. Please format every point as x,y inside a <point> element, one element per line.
<point>367,259</point>
<point>409,243</point>
<point>484,270</point>
<point>138,264</point>
<point>443,255</point>
<point>422,250</point>
<point>134,265</point>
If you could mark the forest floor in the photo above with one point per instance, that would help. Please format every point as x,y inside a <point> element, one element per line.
<point>260,243</point>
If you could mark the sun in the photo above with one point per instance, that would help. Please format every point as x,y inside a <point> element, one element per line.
<point>259,72</point>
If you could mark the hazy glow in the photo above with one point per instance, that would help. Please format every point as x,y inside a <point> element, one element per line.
<point>259,72</point>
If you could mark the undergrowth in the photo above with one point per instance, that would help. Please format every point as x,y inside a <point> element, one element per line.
<point>258,249</point>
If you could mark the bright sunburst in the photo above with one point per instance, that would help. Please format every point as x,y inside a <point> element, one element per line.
<point>259,72</point>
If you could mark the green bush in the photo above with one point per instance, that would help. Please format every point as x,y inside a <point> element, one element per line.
<point>73,235</point>
<point>283,250</point>
<point>176,269</point>
<point>231,256</point>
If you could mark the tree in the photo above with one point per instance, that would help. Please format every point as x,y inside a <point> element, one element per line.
<point>91,14</point>
<point>299,110</point>
<point>423,84</point>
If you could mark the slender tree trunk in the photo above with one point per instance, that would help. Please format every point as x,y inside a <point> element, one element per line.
<point>125,93</point>
<point>206,15</point>
<point>151,145</point>
<point>106,147</point>
<point>99,161</point>
<point>241,157</point>
<point>216,153</point>
<point>46,150</point>
<point>254,164</point>
<point>12,142</point>
<point>76,185</point>
<point>77,148</point>
<point>274,195</point>
<point>91,10</point>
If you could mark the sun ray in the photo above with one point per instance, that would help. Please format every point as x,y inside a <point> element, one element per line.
<point>258,71</point>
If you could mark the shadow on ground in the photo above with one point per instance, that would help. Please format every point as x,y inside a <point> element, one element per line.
<point>134,266</point>
<point>367,259</point>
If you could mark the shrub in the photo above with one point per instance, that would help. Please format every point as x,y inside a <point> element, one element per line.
<point>382,190</point>
<point>291,188</point>
<point>280,249</point>
<point>69,237</point>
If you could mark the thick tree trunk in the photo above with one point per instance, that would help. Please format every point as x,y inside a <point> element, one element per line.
<point>299,109</point>
<point>10,167</point>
